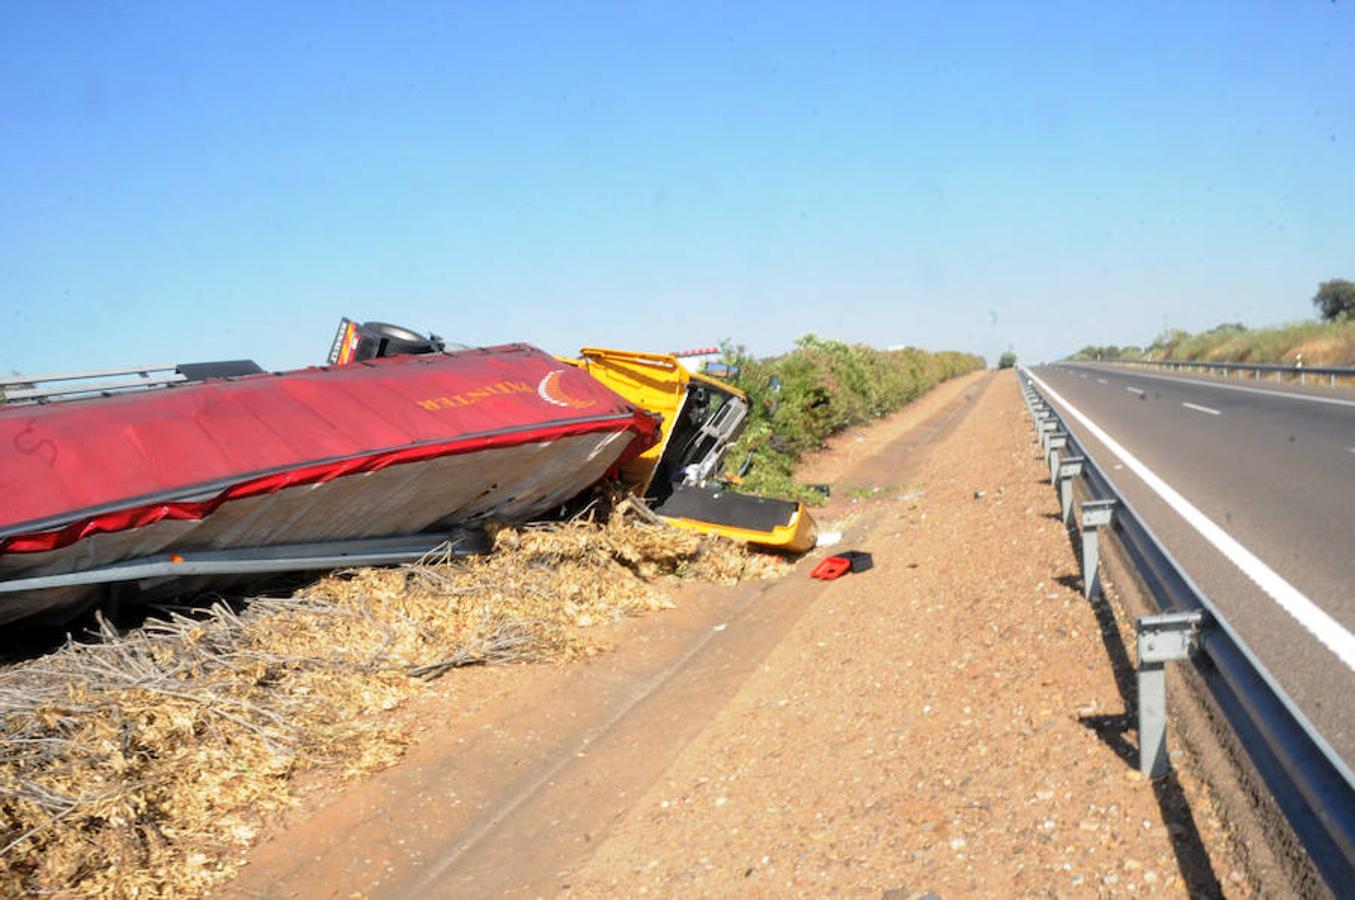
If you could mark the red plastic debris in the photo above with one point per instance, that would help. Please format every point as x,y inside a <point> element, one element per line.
<point>832,567</point>
<point>840,564</point>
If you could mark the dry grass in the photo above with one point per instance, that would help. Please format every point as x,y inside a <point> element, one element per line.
<point>140,765</point>
<point>1321,343</point>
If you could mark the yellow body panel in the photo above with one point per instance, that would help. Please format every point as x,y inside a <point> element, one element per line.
<point>796,537</point>
<point>657,382</point>
<point>653,381</point>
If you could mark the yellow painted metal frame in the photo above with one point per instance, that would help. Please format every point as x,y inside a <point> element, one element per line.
<point>658,383</point>
<point>797,536</point>
<point>653,381</point>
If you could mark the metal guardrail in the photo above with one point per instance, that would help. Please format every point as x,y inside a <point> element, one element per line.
<point>1309,782</point>
<point>1300,373</point>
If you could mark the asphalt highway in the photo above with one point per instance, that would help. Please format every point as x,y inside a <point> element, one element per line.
<point>1274,469</point>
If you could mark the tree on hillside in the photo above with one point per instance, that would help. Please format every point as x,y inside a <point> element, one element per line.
<point>1335,299</point>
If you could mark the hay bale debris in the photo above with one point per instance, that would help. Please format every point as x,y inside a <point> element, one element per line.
<point>141,764</point>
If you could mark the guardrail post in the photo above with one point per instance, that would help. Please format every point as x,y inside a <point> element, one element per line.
<point>1047,427</point>
<point>1053,444</point>
<point>1162,639</point>
<point>1069,469</point>
<point>1096,514</point>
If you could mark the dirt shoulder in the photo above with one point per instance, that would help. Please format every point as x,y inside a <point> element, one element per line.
<point>948,722</point>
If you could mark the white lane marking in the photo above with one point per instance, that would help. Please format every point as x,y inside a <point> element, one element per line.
<point>1336,401</point>
<point>1203,409</point>
<point>1308,614</point>
<point>1134,390</point>
<point>1100,381</point>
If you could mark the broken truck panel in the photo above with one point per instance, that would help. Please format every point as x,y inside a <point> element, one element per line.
<point>701,417</point>
<point>777,524</point>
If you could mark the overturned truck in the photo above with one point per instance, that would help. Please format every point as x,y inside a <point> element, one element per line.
<point>143,483</point>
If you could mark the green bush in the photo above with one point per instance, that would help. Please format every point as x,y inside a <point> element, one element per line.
<point>819,388</point>
<point>1110,351</point>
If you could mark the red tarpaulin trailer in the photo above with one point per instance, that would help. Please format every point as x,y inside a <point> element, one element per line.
<point>377,449</point>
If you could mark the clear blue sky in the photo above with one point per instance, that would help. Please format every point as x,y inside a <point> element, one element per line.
<point>187,181</point>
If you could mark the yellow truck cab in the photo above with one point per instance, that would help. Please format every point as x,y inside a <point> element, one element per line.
<point>678,477</point>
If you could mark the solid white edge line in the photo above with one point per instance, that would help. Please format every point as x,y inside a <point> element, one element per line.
<point>1204,409</point>
<point>1335,401</point>
<point>1331,633</point>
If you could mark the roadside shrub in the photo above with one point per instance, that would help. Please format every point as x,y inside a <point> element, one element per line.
<point>1110,351</point>
<point>821,387</point>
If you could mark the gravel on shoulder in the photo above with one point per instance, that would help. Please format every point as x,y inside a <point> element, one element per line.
<point>948,723</point>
